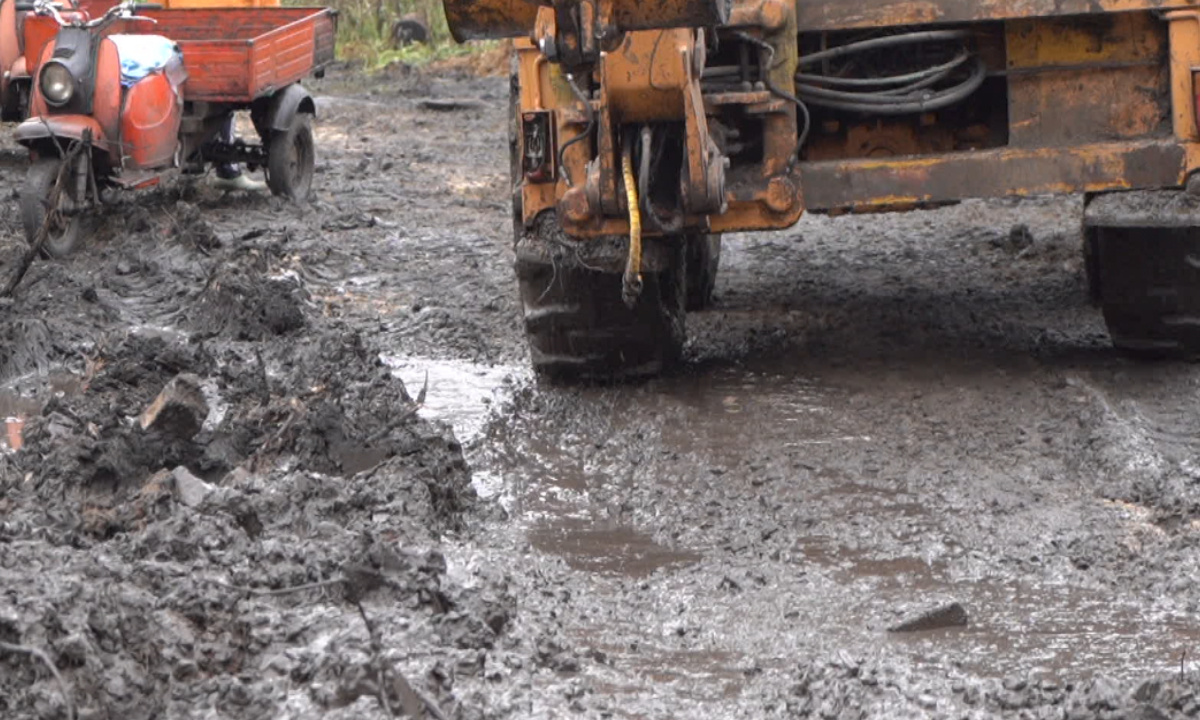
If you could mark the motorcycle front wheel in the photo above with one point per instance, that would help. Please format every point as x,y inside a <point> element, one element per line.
<point>63,225</point>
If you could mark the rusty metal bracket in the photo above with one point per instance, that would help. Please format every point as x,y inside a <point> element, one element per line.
<point>1185,63</point>
<point>653,78</point>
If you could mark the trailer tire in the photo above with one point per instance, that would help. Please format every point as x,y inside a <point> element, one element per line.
<point>291,158</point>
<point>67,236</point>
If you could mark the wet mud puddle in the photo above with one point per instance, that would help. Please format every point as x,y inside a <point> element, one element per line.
<point>467,396</point>
<point>718,524</point>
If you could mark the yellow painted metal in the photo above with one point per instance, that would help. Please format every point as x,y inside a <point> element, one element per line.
<point>544,87</point>
<point>1087,101</point>
<point>483,19</point>
<point>1098,167</point>
<point>495,19</point>
<point>1068,42</point>
<point>1185,61</point>
<point>1073,81</point>
<point>646,79</point>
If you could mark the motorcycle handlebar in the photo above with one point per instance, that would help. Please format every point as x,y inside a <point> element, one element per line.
<point>123,9</point>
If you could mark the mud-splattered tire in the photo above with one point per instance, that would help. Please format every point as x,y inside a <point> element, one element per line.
<point>577,325</point>
<point>291,157</point>
<point>1142,256</point>
<point>580,329</point>
<point>703,262</point>
<point>64,236</point>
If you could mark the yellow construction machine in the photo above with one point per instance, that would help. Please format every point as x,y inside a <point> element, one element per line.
<point>642,131</point>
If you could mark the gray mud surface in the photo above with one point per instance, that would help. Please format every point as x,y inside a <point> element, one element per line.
<point>901,475</point>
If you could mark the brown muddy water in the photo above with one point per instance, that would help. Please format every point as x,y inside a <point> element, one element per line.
<point>729,521</point>
<point>802,509</point>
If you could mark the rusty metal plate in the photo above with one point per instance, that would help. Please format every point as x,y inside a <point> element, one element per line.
<point>1084,80</point>
<point>820,15</point>
<point>865,184</point>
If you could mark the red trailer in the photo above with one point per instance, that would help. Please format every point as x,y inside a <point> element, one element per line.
<point>151,92</point>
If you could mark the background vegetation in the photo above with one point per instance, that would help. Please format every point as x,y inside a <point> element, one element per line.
<point>365,31</point>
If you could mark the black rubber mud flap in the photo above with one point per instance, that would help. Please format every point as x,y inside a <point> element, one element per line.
<point>1143,258</point>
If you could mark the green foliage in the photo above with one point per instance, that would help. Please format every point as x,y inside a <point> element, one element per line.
<point>365,31</point>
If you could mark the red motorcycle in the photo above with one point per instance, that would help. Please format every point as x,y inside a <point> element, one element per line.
<point>125,106</point>
<point>16,67</point>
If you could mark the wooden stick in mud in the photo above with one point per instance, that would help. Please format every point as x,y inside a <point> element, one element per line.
<point>52,215</point>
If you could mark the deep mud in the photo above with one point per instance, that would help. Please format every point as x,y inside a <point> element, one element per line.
<point>882,416</point>
<point>278,551</point>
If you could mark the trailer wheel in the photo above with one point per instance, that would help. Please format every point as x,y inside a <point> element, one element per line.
<point>703,262</point>
<point>65,233</point>
<point>1143,261</point>
<point>290,160</point>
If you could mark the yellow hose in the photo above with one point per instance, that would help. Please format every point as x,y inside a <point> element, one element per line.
<point>631,283</point>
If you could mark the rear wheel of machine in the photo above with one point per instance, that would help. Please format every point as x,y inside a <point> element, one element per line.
<point>1142,257</point>
<point>65,232</point>
<point>290,160</point>
<point>579,328</point>
<point>703,262</point>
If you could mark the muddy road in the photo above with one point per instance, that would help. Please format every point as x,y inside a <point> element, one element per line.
<point>881,418</point>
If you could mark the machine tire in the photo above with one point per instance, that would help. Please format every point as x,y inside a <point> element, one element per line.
<point>39,181</point>
<point>1144,272</point>
<point>703,262</point>
<point>514,143</point>
<point>291,157</point>
<point>579,328</point>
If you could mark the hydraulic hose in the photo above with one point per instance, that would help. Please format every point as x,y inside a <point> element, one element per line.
<point>906,79</point>
<point>631,283</point>
<point>587,131</point>
<point>883,42</point>
<point>912,92</point>
<point>894,104</point>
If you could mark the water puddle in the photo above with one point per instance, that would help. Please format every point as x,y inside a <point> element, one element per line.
<point>599,547</point>
<point>735,408</point>
<point>462,394</point>
<point>568,466</point>
<point>769,513</point>
<point>1055,632</point>
<point>466,396</point>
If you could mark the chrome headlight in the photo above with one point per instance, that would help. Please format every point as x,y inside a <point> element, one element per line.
<point>57,83</point>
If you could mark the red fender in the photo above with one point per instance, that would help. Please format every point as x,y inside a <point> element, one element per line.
<point>65,128</point>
